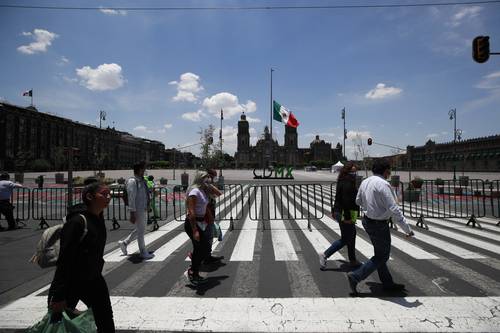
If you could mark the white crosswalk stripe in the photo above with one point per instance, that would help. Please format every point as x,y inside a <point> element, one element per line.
<point>282,244</point>
<point>244,248</point>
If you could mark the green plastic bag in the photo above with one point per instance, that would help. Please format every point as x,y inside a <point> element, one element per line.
<point>83,323</point>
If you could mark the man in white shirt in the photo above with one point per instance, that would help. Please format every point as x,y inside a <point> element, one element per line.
<point>6,207</point>
<point>378,203</point>
<point>138,204</point>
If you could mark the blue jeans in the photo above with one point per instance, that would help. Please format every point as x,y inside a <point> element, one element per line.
<point>380,235</point>
<point>348,237</point>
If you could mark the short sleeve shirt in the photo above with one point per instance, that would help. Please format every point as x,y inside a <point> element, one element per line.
<point>201,201</point>
<point>6,188</point>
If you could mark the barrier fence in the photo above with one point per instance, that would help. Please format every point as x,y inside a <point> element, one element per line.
<point>51,204</point>
<point>228,206</point>
<point>494,191</point>
<point>445,199</point>
<point>288,200</point>
<point>434,199</point>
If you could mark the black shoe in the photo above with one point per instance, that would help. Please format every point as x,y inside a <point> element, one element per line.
<point>394,287</point>
<point>195,279</point>
<point>352,283</point>
<point>213,260</point>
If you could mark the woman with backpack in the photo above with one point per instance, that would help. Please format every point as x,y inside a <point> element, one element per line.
<point>79,267</point>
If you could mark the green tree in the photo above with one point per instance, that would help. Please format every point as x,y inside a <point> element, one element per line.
<point>207,150</point>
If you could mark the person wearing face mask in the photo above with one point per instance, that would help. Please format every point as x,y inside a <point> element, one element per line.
<point>378,203</point>
<point>345,211</point>
<point>197,224</point>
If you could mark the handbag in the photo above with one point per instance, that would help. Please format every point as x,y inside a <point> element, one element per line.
<point>82,323</point>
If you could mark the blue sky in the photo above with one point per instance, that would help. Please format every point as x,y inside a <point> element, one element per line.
<point>165,74</point>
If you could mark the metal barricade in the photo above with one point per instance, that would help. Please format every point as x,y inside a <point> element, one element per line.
<point>228,206</point>
<point>51,204</point>
<point>286,202</point>
<point>21,200</point>
<point>444,199</point>
<point>493,192</point>
<point>117,210</point>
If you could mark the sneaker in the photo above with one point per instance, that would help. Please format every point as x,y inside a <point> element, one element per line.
<point>394,287</point>
<point>352,283</point>
<point>190,255</point>
<point>123,247</point>
<point>195,279</point>
<point>322,261</point>
<point>147,256</point>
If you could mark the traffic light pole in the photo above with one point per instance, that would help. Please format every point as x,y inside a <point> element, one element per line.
<point>398,148</point>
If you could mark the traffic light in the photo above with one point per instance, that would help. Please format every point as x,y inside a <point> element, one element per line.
<point>370,141</point>
<point>481,49</point>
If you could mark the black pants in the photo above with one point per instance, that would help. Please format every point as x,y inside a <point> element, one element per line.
<point>201,248</point>
<point>95,295</point>
<point>7,210</point>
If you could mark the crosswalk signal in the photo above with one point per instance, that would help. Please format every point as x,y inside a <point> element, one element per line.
<point>370,141</point>
<point>481,49</point>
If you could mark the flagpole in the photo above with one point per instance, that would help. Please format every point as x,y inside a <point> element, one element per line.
<point>271,114</point>
<point>31,96</point>
<point>220,138</point>
<point>343,117</point>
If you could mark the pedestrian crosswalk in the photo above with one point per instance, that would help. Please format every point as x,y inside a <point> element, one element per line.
<point>278,259</point>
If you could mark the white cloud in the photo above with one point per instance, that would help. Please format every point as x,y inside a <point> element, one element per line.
<point>43,39</point>
<point>108,11</point>
<point>187,88</point>
<point>193,116</point>
<point>140,128</point>
<point>167,126</point>
<point>229,103</point>
<point>464,14</point>
<point>253,120</point>
<point>63,61</point>
<point>382,91</point>
<point>490,81</point>
<point>356,135</point>
<point>104,77</point>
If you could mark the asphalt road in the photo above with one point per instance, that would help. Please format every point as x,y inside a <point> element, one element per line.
<point>270,278</point>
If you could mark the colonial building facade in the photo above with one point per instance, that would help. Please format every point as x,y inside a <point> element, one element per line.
<point>478,154</point>
<point>268,149</point>
<point>27,135</point>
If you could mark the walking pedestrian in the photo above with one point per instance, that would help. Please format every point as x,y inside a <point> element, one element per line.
<point>78,274</point>
<point>138,204</point>
<point>345,212</point>
<point>213,194</point>
<point>197,223</point>
<point>150,182</point>
<point>6,208</point>
<point>378,203</point>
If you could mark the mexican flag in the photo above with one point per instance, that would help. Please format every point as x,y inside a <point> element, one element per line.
<point>280,113</point>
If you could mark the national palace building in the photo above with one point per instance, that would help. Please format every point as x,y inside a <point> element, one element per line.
<point>27,135</point>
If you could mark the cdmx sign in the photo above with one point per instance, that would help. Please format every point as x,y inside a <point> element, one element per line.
<point>278,172</point>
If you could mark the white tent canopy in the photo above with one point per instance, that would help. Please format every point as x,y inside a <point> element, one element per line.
<point>337,166</point>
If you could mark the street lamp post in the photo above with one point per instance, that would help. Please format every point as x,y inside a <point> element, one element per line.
<point>102,116</point>
<point>453,116</point>
<point>220,138</point>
